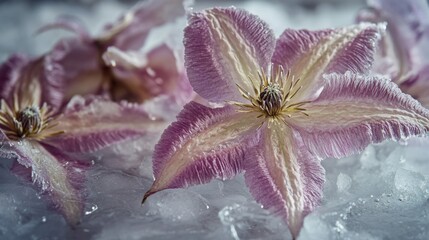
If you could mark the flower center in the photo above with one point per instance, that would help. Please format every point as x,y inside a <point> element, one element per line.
<point>271,98</point>
<point>28,121</point>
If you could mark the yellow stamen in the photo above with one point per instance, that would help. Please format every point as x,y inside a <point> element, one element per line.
<point>29,121</point>
<point>273,97</point>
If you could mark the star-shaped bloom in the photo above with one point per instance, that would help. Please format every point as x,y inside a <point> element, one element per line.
<point>111,63</point>
<point>403,51</point>
<point>288,104</point>
<point>41,138</point>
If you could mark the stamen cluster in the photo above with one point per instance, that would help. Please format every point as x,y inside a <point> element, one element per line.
<point>273,94</point>
<point>26,122</point>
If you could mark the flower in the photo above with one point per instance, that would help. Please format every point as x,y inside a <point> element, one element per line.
<point>404,49</point>
<point>109,64</point>
<point>287,104</point>
<point>39,136</point>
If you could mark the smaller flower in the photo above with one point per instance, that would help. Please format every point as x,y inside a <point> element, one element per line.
<point>403,51</point>
<point>41,137</point>
<point>92,64</point>
<point>277,124</point>
<point>27,120</point>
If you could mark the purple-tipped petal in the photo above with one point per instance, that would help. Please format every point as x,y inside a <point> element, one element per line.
<point>223,47</point>
<point>404,50</point>
<point>80,60</point>
<point>203,144</point>
<point>35,81</point>
<point>58,177</point>
<point>9,74</point>
<point>145,76</point>
<point>52,82</point>
<point>69,23</point>
<point>283,176</point>
<point>420,88</point>
<point>132,29</point>
<point>170,70</point>
<point>309,54</point>
<point>353,111</point>
<point>92,124</point>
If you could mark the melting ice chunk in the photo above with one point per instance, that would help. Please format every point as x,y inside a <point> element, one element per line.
<point>250,221</point>
<point>344,182</point>
<point>177,205</point>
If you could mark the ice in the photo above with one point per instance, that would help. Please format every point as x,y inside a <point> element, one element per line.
<point>131,156</point>
<point>24,213</point>
<point>250,221</point>
<point>410,183</point>
<point>343,182</point>
<point>385,200</point>
<point>381,193</point>
<point>164,205</point>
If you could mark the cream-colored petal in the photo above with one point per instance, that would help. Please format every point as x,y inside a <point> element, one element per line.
<point>354,111</point>
<point>223,47</point>
<point>283,175</point>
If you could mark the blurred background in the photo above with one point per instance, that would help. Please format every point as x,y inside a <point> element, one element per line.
<point>20,19</point>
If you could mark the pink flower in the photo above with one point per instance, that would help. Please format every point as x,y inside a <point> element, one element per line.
<point>40,137</point>
<point>278,122</point>
<point>403,53</point>
<point>110,63</point>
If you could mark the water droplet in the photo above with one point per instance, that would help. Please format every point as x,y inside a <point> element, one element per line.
<point>93,209</point>
<point>44,219</point>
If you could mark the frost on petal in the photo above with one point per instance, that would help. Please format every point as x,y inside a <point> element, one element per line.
<point>223,47</point>
<point>58,177</point>
<point>283,176</point>
<point>140,77</point>
<point>353,111</point>
<point>79,78</point>
<point>132,29</point>
<point>95,123</point>
<point>204,143</point>
<point>309,54</point>
<point>9,74</point>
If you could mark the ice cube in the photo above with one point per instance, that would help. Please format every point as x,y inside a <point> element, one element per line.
<point>344,182</point>
<point>177,205</point>
<point>411,184</point>
<point>250,221</point>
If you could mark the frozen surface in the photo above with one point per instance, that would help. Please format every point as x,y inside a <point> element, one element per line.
<point>380,194</point>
